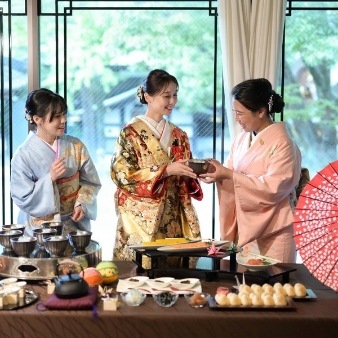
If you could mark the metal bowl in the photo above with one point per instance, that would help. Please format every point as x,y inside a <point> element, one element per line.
<point>56,245</point>
<point>5,238</point>
<point>40,234</point>
<point>54,225</point>
<point>79,240</point>
<point>23,246</point>
<point>8,227</point>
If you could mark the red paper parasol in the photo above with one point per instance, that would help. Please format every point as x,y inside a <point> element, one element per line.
<point>316,225</point>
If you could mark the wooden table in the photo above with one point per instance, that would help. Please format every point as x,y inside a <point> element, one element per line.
<point>316,318</point>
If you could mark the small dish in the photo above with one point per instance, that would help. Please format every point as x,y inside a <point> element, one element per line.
<point>165,298</point>
<point>161,282</point>
<point>243,260</point>
<point>133,297</point>
<point>8,281</point>
<point>197,299</point>
<point>134,282</point>
<point>186,283</point>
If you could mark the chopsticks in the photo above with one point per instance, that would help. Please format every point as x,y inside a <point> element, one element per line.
<point>265,257</point>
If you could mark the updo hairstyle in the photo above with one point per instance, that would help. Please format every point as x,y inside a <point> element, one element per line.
<point>255,94</point>
<point>42,101</point>
<point>156,82</point>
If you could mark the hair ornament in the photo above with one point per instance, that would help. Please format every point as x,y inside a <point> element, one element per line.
<point>270,103</point>
<point>28,116</point>
<point>139,92</point>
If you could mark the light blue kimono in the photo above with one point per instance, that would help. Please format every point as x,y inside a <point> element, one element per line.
<point>39,199</point>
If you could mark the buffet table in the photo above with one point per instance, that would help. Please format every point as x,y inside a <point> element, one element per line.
<point>311,318</point>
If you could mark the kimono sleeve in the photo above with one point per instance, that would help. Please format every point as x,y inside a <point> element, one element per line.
<point>89,186</point>
<point>33,196</point>
<point>126,171</point>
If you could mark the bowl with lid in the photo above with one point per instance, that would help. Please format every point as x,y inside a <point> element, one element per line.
<point>5,238</point>
<point>23,246</point>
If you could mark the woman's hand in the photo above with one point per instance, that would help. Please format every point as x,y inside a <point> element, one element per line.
<point>78,214</point>
<point>179,168</point>
<point>57,169</point>
<point>216,172</point>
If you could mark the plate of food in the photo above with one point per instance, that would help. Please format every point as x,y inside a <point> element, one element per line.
<point>160,243</point>
<point>134,282</point>
<point>255,262</point>
<point>201,245</point>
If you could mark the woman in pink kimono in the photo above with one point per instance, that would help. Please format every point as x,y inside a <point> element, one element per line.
<point>154,183</point>
<point>256,185</point>
<point>53,178</point>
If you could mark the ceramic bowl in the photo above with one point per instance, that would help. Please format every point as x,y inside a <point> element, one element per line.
<point>199,166</point>
<point>56,245</point>
<point>58,226</point>
<point>23,246</point>
<point>5,238</point>
<point>79,239</point>
<point>133,297</point>
<point>159,283</point>
<point>184,284</point>
<point>165,298</point>
<point>40,234</point>
<point>197,299</point>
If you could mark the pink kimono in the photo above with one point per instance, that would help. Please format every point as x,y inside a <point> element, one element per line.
<point>256,208</point>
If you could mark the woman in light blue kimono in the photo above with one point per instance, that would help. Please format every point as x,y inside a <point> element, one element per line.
<point>53,178</point>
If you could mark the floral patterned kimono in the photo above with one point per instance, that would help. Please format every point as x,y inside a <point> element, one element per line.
<point>256,208</point>
<point>41,200</point>
<point>148,206</point>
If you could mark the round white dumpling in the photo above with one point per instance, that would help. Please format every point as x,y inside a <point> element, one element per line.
<point>268,289</point>
<point>268,300</point>
<point>222,299</point>
<point>277,285</point>
<point>290,291</point>
<point>242,293</point>
<point>300,290</point>
<point>280,290</point>
<point>245,288</point>
<point>279,299</point>
<point>234,300</point>
<point>246,300</point>
<point>257,300</point>
<point>258,290</point>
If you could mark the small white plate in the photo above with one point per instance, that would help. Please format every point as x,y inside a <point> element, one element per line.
<point>134,282</point>
<point>243,259</point>
<point>159,283</point>
<point>185,283</point>
<point>8,281</point>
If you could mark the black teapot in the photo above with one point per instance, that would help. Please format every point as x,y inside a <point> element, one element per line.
<point>71,286</point>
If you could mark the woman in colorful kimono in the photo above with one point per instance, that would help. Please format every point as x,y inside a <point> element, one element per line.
<point>149,167</point>
<point>256,185</point>
<point>53,178</point>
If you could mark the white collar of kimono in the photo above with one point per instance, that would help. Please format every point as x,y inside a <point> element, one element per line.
<point>160,129</point>
<point>54,146</point>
